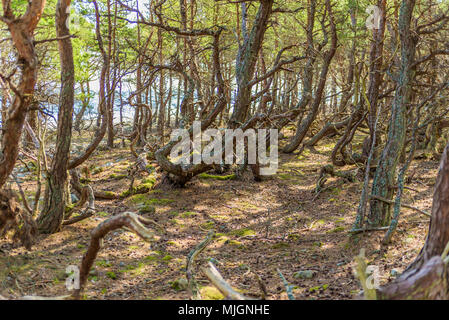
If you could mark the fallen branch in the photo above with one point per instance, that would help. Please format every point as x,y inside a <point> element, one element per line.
<point>87,194</point>
<point>130,220</point>
<point>355,231</point>
<point>288,287</point>
<point>217,280</point>
<point>192,285</point>
<point>402,205</point>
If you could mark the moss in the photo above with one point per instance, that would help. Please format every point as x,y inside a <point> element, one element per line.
<point>69,207</point>
<point>134,269</point>
<point>216,177</point>
<point>318,244</point>
<point>188,214</point>
<point>117,176</point>
<point>61,275</point>
<point>293,236</point>
<point>98,170</point>
<point>151,258</point>
<point>137,198</point>
<point>146,185</point>
<point>103,214</point>
<point>103,263</point>
<point>177,222</point>
<point>248,206</point>
<point>173,243</point>
<point>146,208</point>
<point>245,232</point>
<point>281,245</point>
<point>111,275</point>
<point>167,258</point>
<point>211,293</point>
<point>161,201</point>
<point>318,288</point>
<point>236,243</point>
<point>317,223</point>
<point>142,199</point>
<point>208,225</point>
<point>125,193</point>
<point>337,229</point>
<point>179,284</point>
<point>340,220</point>
<point>80,246</point>
<point>335,191</point>
<point>285,176</point>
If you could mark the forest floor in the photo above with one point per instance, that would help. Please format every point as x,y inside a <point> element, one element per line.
<point>260,226</point>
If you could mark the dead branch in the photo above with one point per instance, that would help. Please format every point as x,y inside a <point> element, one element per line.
<point>128,220</point>
<point>402,205</point>
<point>288,287</point>
<point>192,285</point>
<point>87,194</point>
<point>221,284</point>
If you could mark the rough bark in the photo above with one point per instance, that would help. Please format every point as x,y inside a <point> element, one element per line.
<point>303,126</point>
<point>51,217</point>
<point>384,178</point>
<point>246,62</point>
<point>427,276</point>
<point>22,34</point>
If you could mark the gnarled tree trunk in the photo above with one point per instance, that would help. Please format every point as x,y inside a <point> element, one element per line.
<point>385,176</point>
<point>22,34</point>
<point>427,276</point>
<point>51,217</point>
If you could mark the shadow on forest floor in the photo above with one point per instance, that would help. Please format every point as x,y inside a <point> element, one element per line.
<point>260,227</point>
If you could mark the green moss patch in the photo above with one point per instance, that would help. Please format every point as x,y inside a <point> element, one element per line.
<point>211,293</point>
<point>216,177</point>
<point>245,232</point>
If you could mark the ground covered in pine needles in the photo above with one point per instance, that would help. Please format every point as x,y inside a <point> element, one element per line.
<point>279,223</point>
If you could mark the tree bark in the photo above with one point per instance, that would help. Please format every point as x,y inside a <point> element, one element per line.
<point>384,178</point>
<point>50,219</point>
<point>246,62</point>
<point>22,34</point>
<point>427,277</point>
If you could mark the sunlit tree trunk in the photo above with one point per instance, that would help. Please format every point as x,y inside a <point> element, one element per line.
<point>22,35</point>
<point>246,61</point>
<point>51,217</point>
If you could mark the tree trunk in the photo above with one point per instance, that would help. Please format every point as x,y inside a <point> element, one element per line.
<point>51,217</point>
<point>22,34</point>
<point>427,277</point>
<point>303,126</point>
<point>246,62</point>
<point>384,178</point>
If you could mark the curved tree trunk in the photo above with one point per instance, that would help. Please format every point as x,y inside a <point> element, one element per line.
<point>103,112</point>
<point>51,217</point>
<point>427,277</point>
<point>303,126</point>
<point>22,34</point>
